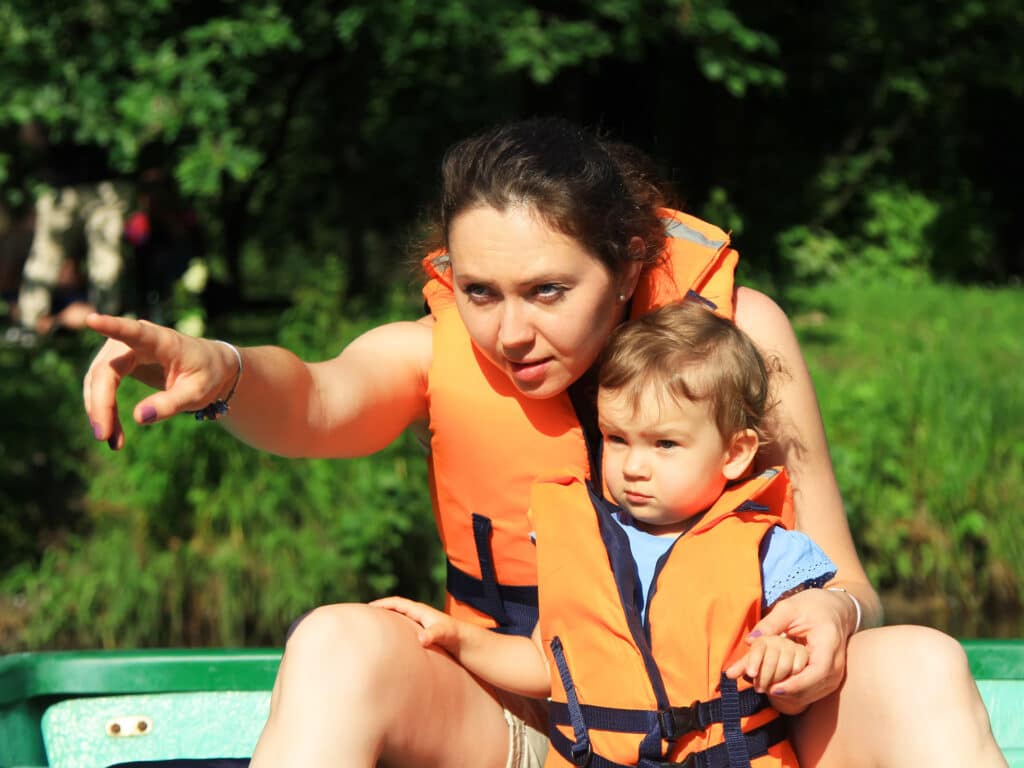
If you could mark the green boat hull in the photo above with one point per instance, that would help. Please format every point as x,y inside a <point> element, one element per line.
<point>94,708</point>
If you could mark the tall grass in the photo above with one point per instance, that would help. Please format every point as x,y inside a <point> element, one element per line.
<point>187,537</point>
<point>922,395</point>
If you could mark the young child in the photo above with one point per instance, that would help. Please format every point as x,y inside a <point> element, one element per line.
<point>644,601</point>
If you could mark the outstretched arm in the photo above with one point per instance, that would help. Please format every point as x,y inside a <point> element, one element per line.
<point>510,662</point>
<point>352,405</point>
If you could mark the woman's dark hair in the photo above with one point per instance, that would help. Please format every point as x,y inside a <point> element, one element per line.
<point>601,193</point>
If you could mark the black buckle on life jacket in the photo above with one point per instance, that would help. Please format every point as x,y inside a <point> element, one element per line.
<point>580,754</point>
<point>678,721</point>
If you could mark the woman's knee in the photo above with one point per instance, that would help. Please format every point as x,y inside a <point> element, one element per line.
<point>331,698</point>
<point>917,675</point>
<point>908,651</point>
<point>903,685</point>
<point>347,644</point>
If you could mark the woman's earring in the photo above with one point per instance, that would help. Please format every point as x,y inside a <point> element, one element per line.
<point>622,298</point>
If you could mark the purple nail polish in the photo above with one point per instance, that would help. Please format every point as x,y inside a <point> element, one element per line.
<point>779,692</point>
<point>754,633</point>
<point>96,430</point>
<point>148,414</point>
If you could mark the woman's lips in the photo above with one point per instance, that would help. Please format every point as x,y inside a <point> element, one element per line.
<point>529,372</point>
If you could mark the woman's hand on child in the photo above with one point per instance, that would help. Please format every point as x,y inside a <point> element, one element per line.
<point>818,620</point>
<point>770,663</point>
<point>436,627</point>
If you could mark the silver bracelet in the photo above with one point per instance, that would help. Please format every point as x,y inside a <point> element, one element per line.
<point>219,407</point>
<point>856,604</point>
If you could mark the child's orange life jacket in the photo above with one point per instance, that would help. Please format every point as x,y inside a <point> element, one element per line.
<point>632,686</point>
<point>489,443</point>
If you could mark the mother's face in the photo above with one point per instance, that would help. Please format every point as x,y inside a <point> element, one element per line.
<point>535,303</point>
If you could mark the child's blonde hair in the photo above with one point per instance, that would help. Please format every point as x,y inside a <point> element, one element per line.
<point>687,351</point>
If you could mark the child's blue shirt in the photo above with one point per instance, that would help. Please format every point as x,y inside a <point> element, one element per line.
<point>790,561</point>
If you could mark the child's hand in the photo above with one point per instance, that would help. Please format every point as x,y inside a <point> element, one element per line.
<point>436,628</point>
<point>771,660</point>
<point>821,621</point>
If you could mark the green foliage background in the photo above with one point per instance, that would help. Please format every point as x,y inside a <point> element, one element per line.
<point>857,151</point>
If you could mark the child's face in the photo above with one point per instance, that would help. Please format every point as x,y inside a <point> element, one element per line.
<point>663,462</point>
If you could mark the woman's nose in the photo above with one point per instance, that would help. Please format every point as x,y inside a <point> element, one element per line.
<point>516,329</point>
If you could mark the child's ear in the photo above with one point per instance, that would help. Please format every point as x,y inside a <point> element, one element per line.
<point>740,453</point>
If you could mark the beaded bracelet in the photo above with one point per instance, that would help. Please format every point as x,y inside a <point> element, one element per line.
<point>219,407</point>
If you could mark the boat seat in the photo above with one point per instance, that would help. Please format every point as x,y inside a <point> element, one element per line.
<point>104,730</point>
<point>1003,701</point>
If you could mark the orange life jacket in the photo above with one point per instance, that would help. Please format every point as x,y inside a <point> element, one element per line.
<point>630,689</point>
<point>489,443</point>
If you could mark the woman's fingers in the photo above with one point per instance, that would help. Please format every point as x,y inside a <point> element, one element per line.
<point>116,359</point>
<point>779,620</point>
<point>99,391</point>
<point>816,674</point>
<point>137,334</point>
<point>183,370</point>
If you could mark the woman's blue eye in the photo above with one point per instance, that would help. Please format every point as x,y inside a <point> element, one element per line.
<point>549,290</point>
<point>477,292</point>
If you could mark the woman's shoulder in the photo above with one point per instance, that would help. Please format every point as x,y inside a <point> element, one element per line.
<point>754,306</point>
<point>762,319</point>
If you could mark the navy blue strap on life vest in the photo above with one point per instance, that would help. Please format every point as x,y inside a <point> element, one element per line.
<point>513,608</point>
<point>579,751</point>
<point>482,539</point>
<point>752,506</point>
<point>735,743</point>
<point>583,396</point>
<point>758,742</point>
<point>668,725</point>
<point>672,723</point>
<point>519,604</point>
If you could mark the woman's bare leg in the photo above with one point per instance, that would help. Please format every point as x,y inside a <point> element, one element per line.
<point>356,689</point>
<point>908,699</point>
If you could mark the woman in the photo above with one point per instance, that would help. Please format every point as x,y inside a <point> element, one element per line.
<point>550,237</point>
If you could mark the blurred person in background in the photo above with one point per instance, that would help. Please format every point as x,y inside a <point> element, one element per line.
<point>79,216</point>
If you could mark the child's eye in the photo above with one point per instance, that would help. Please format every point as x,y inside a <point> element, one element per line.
<point>667,444</point>
<point>615,439</point>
